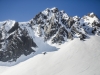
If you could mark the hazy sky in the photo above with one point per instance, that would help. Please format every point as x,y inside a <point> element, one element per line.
<point>24,10</point>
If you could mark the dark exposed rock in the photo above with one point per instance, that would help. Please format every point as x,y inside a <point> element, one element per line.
<point>58,39</point>
<point>94,30</point>
<point>96,24</point>
<point>70,22</point>
<point>0,35</point>
<point>82,37</point>
<point>55,10</point>
<point>91,15</point>
<point>45,17</point>
<point>70,36</point>
<point>17,45</point>
<point>15,27</point>
<point>10,37</point>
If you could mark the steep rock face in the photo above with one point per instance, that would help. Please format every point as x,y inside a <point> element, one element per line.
<point>17,38</point>
<point>57,26</point>
<point>15,43</point>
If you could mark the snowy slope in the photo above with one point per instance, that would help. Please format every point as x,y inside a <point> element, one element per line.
<point>73,58</point>
<point>71,44</point>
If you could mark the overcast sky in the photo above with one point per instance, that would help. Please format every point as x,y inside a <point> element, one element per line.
<point>24,10</point>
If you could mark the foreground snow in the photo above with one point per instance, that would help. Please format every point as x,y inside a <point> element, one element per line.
<point>73,58</point>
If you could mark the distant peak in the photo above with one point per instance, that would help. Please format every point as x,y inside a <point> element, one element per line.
<point>62,11</point>
<point>54,8</point>
<point>91,13</point>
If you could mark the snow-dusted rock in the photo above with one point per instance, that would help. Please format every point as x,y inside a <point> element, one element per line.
<point>51,25</point>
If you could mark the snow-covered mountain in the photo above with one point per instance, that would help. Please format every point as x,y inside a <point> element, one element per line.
<point>73,58</point>
<point>48,28</point>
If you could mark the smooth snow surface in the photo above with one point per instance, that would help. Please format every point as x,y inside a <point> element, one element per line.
<point>73,58</point>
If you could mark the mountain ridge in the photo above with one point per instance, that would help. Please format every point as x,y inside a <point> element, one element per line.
<point>51,25</point>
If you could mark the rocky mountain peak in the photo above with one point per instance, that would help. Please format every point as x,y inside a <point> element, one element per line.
<point>53,25</point>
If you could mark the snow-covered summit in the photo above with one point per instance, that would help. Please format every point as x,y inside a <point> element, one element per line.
<point>53,23</point>
<point>52,26</point>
